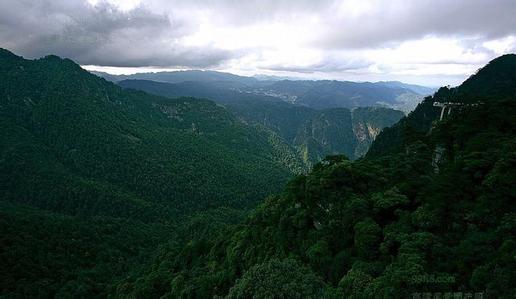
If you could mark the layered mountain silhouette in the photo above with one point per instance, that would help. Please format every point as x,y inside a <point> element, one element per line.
<point>314,133</point>
<point>317,94</point>
<point>429,210</point>
<point>242,190</point>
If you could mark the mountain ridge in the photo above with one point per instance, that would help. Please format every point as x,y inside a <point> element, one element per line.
<point>318,94</point>
<point>36,94</point>
<point>305,128</point>
<point>437,206</point>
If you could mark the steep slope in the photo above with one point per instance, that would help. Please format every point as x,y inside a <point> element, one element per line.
<point>314,133</point>
<point>368,122</point>
<point>94,177</point>
<point>494,82</point>
<point>391,225</point>
<point>342,131</point>
<point>63,124</point>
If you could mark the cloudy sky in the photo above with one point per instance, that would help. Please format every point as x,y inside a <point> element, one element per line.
<point>433,43</point>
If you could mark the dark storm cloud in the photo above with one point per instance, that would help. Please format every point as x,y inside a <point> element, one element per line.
<point>213,33</point>
<point>99,35</point>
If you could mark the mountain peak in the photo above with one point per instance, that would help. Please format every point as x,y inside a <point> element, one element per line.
<point>5,52</point>
<point>6,55</point>
<point>496,80</point>
<point>506,57</point>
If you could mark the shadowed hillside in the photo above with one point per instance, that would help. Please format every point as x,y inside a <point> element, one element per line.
<point>429,210</point>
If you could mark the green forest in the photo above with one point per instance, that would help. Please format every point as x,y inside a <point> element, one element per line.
<point>94,177</point>
<point>312,133</point>
<point>407,219</point>
<point>115,193</point>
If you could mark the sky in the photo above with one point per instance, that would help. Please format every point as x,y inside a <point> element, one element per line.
<point>432,43</point>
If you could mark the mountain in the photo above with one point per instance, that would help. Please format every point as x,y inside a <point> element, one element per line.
<point>494,82</point>
<point>428,212</point>
<point>273,78</point>
<point>93,177</point>
<point>421,90</point>
<point>181,76</point>
<point>342,94</point>
<point>319,94</point>
<point>219,91</point>
<point>314,133</point>
<point>93,131</point>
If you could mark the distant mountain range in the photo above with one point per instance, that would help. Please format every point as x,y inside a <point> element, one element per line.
<point>181,76</point>
<point>315,133</point>
<point>319,94</point>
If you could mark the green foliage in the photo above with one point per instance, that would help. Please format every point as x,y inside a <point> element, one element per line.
<point>396,222</point>
<point>108,175</point>
<point>46,254</point>
<point>429,209</point>
<point>312,133</point>
<point>353,283</point>
<point>389,199</point>
<point>74,143</point>
<point>367,238</point>
<point>277,279</point>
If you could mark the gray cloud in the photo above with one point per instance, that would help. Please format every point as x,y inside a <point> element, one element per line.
<point>239,12</point>
<point>153,34</point>
<point>329,64</point>
<point>384,21</point>
<point>394,21</point>
<point>99,35</point>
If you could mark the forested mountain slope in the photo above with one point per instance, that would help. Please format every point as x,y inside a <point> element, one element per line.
<point>316,94</point>
<point>94,177</point>
<point>62,124</point>
<point>433,213</point>
<point>314,133</point>
<point>493,83</point>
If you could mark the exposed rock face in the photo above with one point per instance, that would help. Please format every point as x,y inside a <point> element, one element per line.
<point>360,132</point>
<point>319,124</point>
<point>437,157</point>
<point>365,134</point>
<point>368,123</point>
<point>373,131</point>
<point>342,131</point>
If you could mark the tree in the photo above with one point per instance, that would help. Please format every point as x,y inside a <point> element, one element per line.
<point>275,278</point>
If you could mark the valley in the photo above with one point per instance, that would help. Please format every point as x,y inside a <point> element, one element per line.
<point>313,133</point>
<point>341,149</point>
<point>201,189</point>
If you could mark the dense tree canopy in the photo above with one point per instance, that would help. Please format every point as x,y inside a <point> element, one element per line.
<point>105,174</point>
<point>403,220</point>
<point>113,193</point>
<point>313,133</point>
